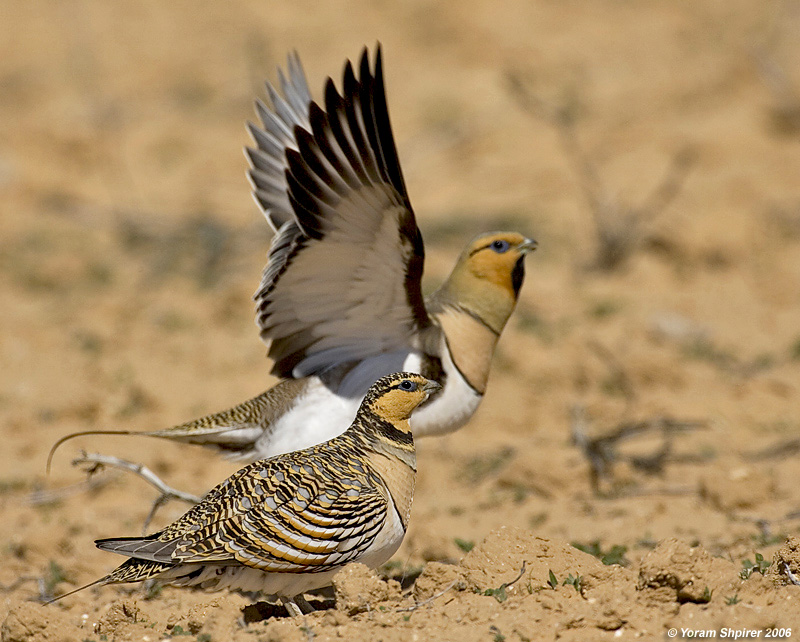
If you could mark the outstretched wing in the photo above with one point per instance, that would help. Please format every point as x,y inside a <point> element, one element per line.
<point>286,515</point>
<point>343,278</point>
<point>268,160</point>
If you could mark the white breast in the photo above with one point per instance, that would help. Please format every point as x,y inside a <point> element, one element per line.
<point>451,408</point>
<point>321,414</point>
<point>316,416</point>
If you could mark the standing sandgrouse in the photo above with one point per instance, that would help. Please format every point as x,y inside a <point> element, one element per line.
<point>286,525</point>
<point>340,302</point>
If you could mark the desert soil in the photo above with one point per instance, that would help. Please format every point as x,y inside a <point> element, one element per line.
<point>130,247</point>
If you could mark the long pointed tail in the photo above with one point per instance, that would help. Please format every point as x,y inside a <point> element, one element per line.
<point>131,570</point>
<point>102,580</point>
<point>233,431</point>
<point>83,433</point>
<point>88,432</point>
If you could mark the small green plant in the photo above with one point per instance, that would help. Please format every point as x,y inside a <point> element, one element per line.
<point>391,565</point>
<point>765,539</point>
<point>794,350</point>
<point>53,576</point>
<point>614,555</point>
<point>204,637</point>
<point>178,630</point>
<point>153,590</point>
<point>482,467</point>
<point>498,636</point>
<point>603,309</point>
<point>575,581</point>
<point>534,521</point>
<point>400,571</point>
<point>465,545</point>
<point>499,593</point>
<point>552,581</point>
<point>759,566</point>
<point>707,593</point>
<point>733,599</point>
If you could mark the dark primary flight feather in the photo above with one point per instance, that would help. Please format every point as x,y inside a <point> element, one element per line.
<point>344,272</point>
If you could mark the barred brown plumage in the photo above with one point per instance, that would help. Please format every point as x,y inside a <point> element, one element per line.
<point>286,525</point>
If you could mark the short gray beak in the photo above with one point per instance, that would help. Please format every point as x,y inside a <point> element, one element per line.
<point>431,387</point>
<point>528,245</point>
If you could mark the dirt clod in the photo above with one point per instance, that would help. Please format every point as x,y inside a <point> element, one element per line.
<point>683,573</point>
<point>785,567</point>
<point>435,578</point>
<point>29,622</point>
<point>359,589</point>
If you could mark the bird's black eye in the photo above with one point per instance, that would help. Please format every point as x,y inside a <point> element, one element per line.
<point>500,246</point>
<point>408,386</point>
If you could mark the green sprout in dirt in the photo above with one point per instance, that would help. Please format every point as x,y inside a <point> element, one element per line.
<point>748,568</point>
<point>465,545</point>
<point>498,636</point>
<point>52,577</point>
<point>575,581</point>
<point>178,630</point>
<point>733,599</point>
<point>552,581</point>
<point>499,593</point>
<point>152,590</point>
<point>614,555</point>
<point>482,467</point>
<point>794,350</point>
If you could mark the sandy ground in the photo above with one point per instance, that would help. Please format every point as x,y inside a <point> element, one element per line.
<point>129,249</point>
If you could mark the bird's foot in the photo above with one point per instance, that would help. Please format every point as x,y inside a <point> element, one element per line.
<point>292,607</point>
<point>303,603</point>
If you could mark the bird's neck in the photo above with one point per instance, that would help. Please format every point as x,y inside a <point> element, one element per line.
<point>472,313</point>
<point>390,452</point>
<point>391,439</point>
<point>489,303</point>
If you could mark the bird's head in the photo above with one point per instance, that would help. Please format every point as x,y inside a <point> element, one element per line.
<point>488,276</point>
<point>394,397</point>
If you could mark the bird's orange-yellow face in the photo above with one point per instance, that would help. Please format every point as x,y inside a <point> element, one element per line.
<point>395,397</point>
<point>498,258</point>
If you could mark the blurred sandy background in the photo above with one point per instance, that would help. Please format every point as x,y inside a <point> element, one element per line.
<point>130,247</point>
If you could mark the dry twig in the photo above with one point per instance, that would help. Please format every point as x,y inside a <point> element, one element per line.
<point>602,452</point>
<point>429,600</point>
<point>96,462</point>
<point>50,496</point>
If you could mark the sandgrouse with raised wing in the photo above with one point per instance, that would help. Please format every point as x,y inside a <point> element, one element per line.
<point>340,302</point>
<point>286,525</point>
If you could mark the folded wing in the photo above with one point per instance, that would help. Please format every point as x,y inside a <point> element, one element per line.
<point>272,517</point>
